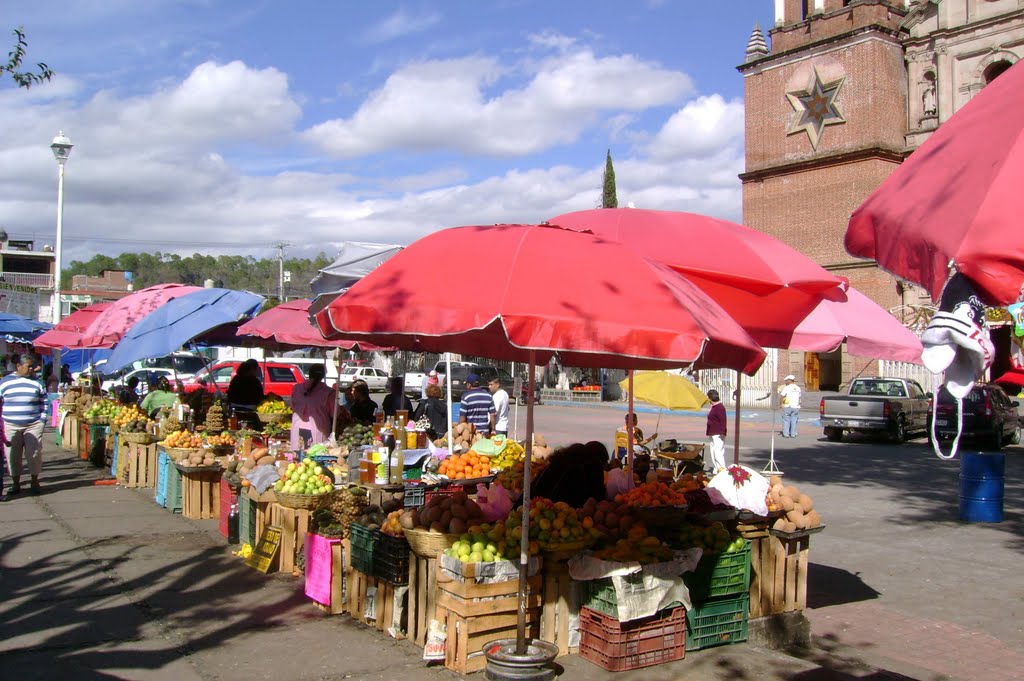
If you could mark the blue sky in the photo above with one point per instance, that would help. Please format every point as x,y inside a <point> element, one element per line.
<point>224,126</point>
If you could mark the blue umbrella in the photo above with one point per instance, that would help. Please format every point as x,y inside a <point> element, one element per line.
<point>21,328</point>
<point>181,320</point>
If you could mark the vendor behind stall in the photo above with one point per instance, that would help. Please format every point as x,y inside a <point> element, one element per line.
<point>362,407</point>
<point>158,397</point>
<point>396,400</point>
<point>435,410</point>
<point>313,409</point>
<point>574,474</point>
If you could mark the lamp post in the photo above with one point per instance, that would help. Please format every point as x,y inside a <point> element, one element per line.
<point>61,151</point>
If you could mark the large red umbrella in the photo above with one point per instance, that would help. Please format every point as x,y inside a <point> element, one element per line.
<point>111,324</point>
<point>956,200</point>
<point>765,285</point>
<point>522,289</point>
<point>524,292</point>
<point>288,326</point>
<point>68,332</point>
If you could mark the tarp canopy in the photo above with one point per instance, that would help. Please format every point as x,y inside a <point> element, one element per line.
<point>355,260</point>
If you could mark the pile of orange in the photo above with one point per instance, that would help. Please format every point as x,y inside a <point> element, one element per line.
<point>652,494</point>
<point>465,466</point>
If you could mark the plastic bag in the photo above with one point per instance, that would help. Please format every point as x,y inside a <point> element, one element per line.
<point>495,502</point>
<point>618,482</point>
<point>437,638</point>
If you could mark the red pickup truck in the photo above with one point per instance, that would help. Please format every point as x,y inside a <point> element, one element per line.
<point>278,378</point>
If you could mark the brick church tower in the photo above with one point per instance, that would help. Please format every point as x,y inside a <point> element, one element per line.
<point>844,92</point>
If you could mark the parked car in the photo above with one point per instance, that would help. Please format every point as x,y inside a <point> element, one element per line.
<point>989,416</point>
<point>897,407</point>
<point>278,378</point>
<point>376,379</point>
<point>145,376</point>
<point>185,364</point>
<point>306,363</point>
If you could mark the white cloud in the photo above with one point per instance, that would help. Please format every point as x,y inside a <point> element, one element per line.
<point>702,127</point>
<point>399,24</point>
<point>445,104</point>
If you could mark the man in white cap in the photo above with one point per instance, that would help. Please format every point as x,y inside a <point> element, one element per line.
<point>790,394</point>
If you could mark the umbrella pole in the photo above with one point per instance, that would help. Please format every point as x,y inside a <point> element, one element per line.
<point>524,540</point>
<point>448,387</point>
<point>337,393</point>
<point>739,395</point>
<point>515,399</point>
<point>629,427</point>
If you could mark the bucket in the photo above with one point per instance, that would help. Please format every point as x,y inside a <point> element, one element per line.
<point>981,487</point>
<point>456,406</point>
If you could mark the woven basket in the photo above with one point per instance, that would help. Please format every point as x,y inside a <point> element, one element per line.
<point>306,501</point>
<point>138,438</point>
<point>98,420</point>
<point>427,544</point>
<point>220,450</point>
<point>178,452</point>
<point>274,418</point>
<point>197,469</point>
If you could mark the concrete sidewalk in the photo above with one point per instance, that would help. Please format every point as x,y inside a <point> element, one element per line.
<point>98,582</point>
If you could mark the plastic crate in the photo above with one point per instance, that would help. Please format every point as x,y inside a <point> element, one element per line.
<point>391,560</point>
<point>114,456</point>
<point>599,594</point>
<point>162,461</point>
<point>415,496</point>
<point>364,544</point>
<point>447,490</point>
<point>168,483</point>
<point>718,622</point>
<point>246,520</point>
<point>726,574</point>
<point>618,646</point>
<point>228,496</point>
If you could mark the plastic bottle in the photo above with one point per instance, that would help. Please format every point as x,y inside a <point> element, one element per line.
<point>397,466</point>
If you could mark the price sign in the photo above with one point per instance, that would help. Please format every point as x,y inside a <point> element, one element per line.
<point>266,549</point>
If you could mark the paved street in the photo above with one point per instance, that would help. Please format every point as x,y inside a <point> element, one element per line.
<point>97,582</point>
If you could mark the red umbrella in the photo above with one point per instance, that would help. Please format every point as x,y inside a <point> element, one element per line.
<point>540,289</point>
<point>761,282</point>
<point>68,332</point>
<point>528,291</point>
<point>111,324</point>
<point>288,326</point>
<point>956,199</point>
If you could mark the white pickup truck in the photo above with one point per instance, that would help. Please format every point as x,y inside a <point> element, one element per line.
<point>897,407</point>
<point>414,379</point>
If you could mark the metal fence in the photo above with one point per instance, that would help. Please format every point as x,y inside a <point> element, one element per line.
<point>756,390</point>
<point>916,372</point>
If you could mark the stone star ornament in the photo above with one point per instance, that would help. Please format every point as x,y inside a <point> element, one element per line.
<point>816,107</point>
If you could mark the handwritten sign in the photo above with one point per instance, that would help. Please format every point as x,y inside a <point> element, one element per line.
<point>266,549</point>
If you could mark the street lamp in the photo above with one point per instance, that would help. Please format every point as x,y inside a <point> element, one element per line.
<point>61,151</point>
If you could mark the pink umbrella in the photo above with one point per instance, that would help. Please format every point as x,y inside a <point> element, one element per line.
<point>869,330</point>
<point>111,324</point>
<point>68,332</point>
<point>288,326</point>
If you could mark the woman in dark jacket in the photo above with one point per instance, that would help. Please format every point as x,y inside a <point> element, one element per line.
<point>574,474</point>
<point>435,410</point>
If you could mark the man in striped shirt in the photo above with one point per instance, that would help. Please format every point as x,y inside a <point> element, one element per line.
<point>24,408</point>
<point>477,406</point>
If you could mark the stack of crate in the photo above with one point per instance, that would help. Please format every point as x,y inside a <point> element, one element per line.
<point>719,591</point>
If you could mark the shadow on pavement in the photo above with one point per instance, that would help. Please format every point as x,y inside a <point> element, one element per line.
<point>827,585</point>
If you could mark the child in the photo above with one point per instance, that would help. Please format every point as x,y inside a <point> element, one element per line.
<point>716,430</point>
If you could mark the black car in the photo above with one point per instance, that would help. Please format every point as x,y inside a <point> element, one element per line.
<point>989,416</point>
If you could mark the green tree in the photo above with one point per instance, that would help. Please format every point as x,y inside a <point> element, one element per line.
<point>16,56</point>
<point>609,199</point>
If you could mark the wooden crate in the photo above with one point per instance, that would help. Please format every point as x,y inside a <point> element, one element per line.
<point>778,575</point>
<point>83,440</point>
<point>294,523</point>
<point>262,502</point>
<point>561,605</point>
<point>339,588</point>
<point>141,465</point>
<point>122,462</point>
<point>475,614</point>
<point>387,601</point>
<point>200,495</point>
<point>422,597</point>
<point>69,433</point>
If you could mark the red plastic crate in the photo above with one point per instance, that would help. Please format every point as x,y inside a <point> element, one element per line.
<point>618,646</point>
<point>446,491</point>
<point>228,496</point>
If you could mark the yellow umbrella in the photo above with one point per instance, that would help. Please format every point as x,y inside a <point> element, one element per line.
<point>665,390</point>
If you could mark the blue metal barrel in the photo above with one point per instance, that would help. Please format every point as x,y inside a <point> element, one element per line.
<point>981,487</point>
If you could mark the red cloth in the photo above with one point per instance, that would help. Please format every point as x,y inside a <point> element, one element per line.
<point>717,420</point>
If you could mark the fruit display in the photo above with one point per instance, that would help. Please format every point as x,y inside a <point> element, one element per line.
<point>468,466</point>
<point>449,513</point>
<point>512,478</point>
<point>128,416</point>
<point>392,525</point>
<point>102,409</point>
<point>273,406</point>
<point>232,472</point>
<point>197,457</point>
<point>357,435</point>
<point>552,524</point>
<point>637,547</point>
<point>712,538</point>
<point>481,544</point>
<point>653,494</point>
<point>541,449</point>
<point>260,456</point>
<point>225,439</point>
<point>171,424</point>
<point>275,430</point>
<point>305,477</point>
<point>183,439</point>
<point>215,418</point>
<point>345,506</point>
<point>699,502</point>
<point>799,508</point>
<point>688,482</point>
<point>511,454</point>
<point>607,520</point>
<point>464,435</point>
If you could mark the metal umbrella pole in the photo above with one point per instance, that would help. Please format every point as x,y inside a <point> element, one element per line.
<point>524,539</point>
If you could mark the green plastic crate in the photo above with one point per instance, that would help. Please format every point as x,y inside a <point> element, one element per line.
<point>726,574</point>
<point>364,543</point>
<point>717,622</point>
<point>599,594</point>
<point>246,520</point>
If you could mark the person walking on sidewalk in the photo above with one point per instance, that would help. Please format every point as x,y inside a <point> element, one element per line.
<point>23,399</point>
<point>500,406</point>
<point>717,428</point>
<point>790,393</point>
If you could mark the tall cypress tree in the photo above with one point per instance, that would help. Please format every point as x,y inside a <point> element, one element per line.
<point>609,199</point>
